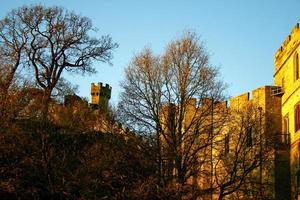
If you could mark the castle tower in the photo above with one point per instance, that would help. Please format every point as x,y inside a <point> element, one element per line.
<point>287,80</point>
<point>100,95</point>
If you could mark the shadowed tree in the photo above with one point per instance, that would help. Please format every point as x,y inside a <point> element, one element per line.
<point>49,41</point>
<point>159,99</point>
<point>59,40</point>
<point>141,100</point>
<point>188,76</point>
<point>13,39</point>
<point>241,153</point>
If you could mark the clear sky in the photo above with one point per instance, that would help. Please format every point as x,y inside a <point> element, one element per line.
<point>242,36</point>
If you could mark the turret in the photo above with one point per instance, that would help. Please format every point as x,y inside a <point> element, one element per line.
<point>287,48</point>
<point>100,95</point>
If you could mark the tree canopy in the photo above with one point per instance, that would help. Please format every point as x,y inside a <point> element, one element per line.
<point>50,40</point>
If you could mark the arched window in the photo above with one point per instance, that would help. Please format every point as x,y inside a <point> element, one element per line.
<point>296,66</point>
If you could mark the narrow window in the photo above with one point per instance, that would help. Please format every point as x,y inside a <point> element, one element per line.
<point>296,66</point>
<point>297,117</point>
<point>226,144</point>
<point>286,131</point>
<point>298,169</point>
<point>249,137</point>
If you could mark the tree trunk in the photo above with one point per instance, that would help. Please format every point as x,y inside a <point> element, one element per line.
<point>6,83</point>
<point>221,195</point>
<point>180,171</point>
<point>45,135</point>
<point>159,160</point>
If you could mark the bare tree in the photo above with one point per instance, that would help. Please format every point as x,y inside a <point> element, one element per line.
<point>190,77</point>
<point>141,100</point>
<point>159,98</point>
<point>240,155</point>
<point>49,41</point>
<point>13,40</point>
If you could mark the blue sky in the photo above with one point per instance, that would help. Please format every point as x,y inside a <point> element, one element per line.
<point>242,36</point>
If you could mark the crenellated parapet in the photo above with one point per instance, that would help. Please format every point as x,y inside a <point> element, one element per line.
<point>289,45</point>
<point>261,97</point>
<point>100,94</point>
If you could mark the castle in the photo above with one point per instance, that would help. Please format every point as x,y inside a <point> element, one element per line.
<point>281,105</point>
<point>100,95</point>
<point>286,78</point>
<point>96,113</point>
<point>280,123</point>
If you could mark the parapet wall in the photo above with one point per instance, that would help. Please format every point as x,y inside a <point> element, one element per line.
<point>100,94</point>
<point>99,86</point>
<point>291,42</point>
<point>237,101</point>
<point>260,97</point>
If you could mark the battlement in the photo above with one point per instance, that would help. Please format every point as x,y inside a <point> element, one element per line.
<point>262,97</point>
<point>287,48</point>
<point>99,88</point>
<point>193,105</point>
<point>100,85</point>
<point>287,40</point>
<point>100,94</point>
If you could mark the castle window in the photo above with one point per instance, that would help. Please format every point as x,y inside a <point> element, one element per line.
<point>226,144</point>
<point>97,93</point>
<point>93,93</point>
<point>286,131</point>
<point>298,168</point>
<point>297,117</point>
<point>296,66</point>
<point>286,125</point>
<point>249,136</point>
